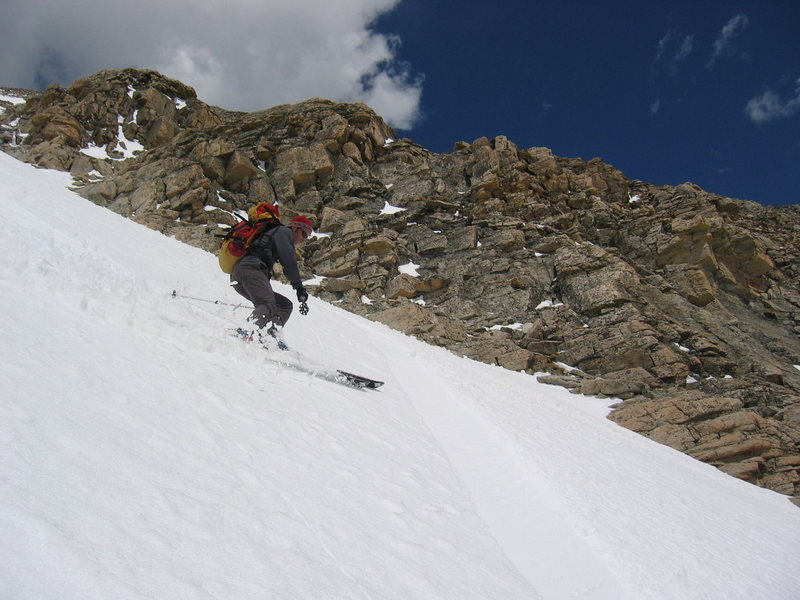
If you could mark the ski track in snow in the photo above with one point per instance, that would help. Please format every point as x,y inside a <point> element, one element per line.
<point>132,471</point>
<point>514,499</point>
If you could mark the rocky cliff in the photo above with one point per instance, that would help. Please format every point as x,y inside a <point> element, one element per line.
<point>683,304</point>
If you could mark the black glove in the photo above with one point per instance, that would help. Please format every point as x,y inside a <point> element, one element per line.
<point>302,294</point>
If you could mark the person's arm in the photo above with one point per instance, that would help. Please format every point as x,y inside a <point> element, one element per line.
<point>284,248</point>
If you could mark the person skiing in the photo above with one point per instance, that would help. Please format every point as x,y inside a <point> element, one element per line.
<point>251,275</point>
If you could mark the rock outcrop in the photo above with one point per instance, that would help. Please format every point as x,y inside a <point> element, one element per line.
<point>683,304</point>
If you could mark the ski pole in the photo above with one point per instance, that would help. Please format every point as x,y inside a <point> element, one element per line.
<point>175,294</point>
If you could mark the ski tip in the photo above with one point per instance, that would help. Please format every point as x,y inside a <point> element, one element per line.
<point>360,381</point>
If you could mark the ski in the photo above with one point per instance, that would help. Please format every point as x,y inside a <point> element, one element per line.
<point>340,377</point>
<point>360,380</point>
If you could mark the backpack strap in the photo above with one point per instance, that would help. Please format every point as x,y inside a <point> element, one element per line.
<point>263,245</point>
<point>231,233</point>
<point>269,230</point>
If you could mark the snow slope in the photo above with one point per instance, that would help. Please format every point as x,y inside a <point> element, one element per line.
<point>146,454</point>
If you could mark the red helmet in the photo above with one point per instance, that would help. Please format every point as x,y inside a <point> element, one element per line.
<point>302,223</point>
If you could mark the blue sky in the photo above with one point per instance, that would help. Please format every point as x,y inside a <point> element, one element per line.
<point>705,91</point>
<point>701,91</point>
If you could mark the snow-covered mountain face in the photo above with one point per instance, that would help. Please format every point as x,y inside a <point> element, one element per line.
<point>149,454</point>
<point>680,302</point>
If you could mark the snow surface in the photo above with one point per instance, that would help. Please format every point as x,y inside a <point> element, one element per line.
<point>147,454</point>
<point>548,304</point>
<point>409,268</point>
<point>12,99</point>
<point>128,148</point>
<point>388,209</point>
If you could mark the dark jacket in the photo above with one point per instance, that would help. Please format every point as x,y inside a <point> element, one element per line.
<point>276,244</point>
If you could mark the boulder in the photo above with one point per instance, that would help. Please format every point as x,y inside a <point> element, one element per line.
<point>56,123</point>
<point>304,164</point>
<point>415,320</point>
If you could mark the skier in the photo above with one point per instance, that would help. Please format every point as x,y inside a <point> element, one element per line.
<point>251,275</point>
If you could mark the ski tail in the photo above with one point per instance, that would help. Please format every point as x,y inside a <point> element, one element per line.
<point>260,335</point>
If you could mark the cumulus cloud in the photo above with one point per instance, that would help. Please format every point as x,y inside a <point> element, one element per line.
<point>769,106</point>
<point>238,54</point>
<point>723,45</point>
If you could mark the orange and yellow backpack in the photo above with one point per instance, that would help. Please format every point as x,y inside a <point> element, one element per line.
<point>237,240</point>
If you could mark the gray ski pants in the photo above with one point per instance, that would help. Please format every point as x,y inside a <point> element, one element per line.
<point>250,278</point>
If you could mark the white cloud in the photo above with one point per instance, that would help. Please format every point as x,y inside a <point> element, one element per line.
<point>238,54</point>
<point>769,106</point>
<point>662,45</point>
<point>672,49</point>
<point>655,107</point>
<point>685,49</point>
<point>392,93</point>
<point>545,109</point>
<point>723,45</point>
